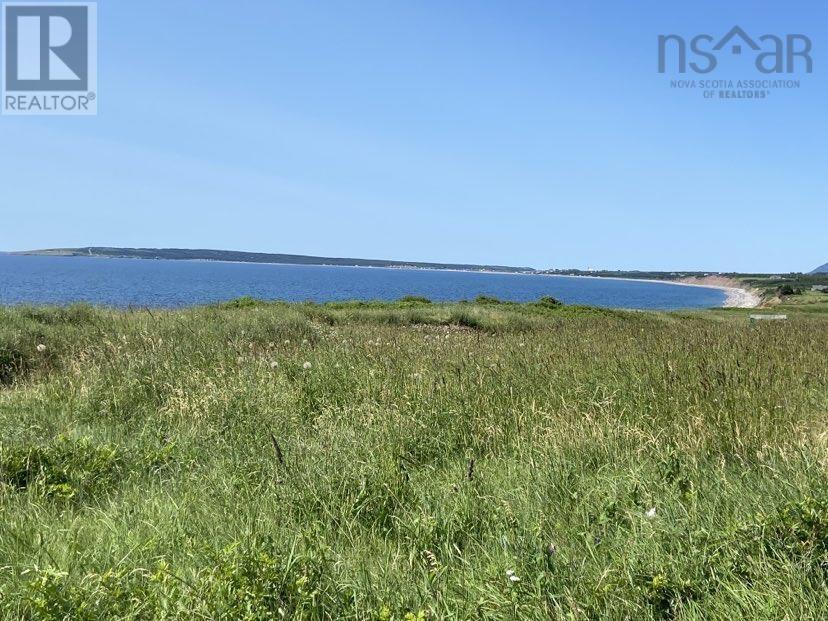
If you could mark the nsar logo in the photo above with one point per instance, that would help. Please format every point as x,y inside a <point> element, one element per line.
<point>772,54</point>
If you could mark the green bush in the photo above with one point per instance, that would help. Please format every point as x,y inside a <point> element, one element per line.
<point>788,290</point>
<point>548,301</point>
<point>415,299</point>
<point>63,468</point>
<point>486,299</point>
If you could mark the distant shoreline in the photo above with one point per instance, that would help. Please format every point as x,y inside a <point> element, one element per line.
<point>234,256</point>
<point>236,262</point>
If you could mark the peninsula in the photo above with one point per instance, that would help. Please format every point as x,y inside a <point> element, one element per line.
<point>259,257</point>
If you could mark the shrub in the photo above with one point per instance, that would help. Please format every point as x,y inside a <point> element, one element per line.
<point>798,530</point>
<point>466,319</point>
<point>486,299</point>
<point>75,314</point>
<point>242,302</point>
<point>549,302</point>
<point>20,356</point>
<point>788,290</point>
<point>13,363</point>
<point>415,299</point>
<point>63,468</point>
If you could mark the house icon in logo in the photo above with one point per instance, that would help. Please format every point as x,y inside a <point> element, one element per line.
<point>736,31</point>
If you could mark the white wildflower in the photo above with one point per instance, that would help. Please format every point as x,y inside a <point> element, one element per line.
<point>651,513</point>
<point>41,347</point>
<point>510,574</point>
<point>307,366</point>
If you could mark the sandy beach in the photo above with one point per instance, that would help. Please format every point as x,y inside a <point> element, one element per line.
<point>737,295</point>
<point>741,298</point>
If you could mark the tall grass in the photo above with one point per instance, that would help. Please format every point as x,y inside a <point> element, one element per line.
<point>395,461</point>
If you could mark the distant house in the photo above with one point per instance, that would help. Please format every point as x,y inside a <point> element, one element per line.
<point>820,288</point>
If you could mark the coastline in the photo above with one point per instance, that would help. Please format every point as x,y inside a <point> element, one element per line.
<point>741,298</point>
<point>736,296</point>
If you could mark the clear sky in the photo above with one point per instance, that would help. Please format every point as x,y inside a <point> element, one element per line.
<point>515,132</point>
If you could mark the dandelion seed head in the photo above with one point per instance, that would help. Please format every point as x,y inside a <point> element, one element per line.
<point>41,347</point>
<point>307,366</point>
<point>651,513</point>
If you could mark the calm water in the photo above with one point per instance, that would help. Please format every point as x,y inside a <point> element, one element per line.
<point>136,282</point>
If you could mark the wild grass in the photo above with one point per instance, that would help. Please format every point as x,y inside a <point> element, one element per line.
<point>411,461</point>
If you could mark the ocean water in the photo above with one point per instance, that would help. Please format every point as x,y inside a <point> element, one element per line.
<point>160,283</point>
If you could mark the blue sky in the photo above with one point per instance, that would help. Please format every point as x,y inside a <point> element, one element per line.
<point>522,133</point>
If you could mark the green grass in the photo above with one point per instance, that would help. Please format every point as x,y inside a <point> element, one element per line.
<point>770,284</point>
<point>807,302</point>
<point>395,461</point>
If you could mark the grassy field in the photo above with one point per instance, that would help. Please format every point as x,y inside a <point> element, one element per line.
<point>412,461</point>
<point>806,302</point>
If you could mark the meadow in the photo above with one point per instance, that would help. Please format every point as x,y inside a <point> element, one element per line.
<point>412,461</point>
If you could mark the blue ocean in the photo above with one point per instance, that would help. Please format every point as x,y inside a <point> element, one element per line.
<point>170,284</point>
